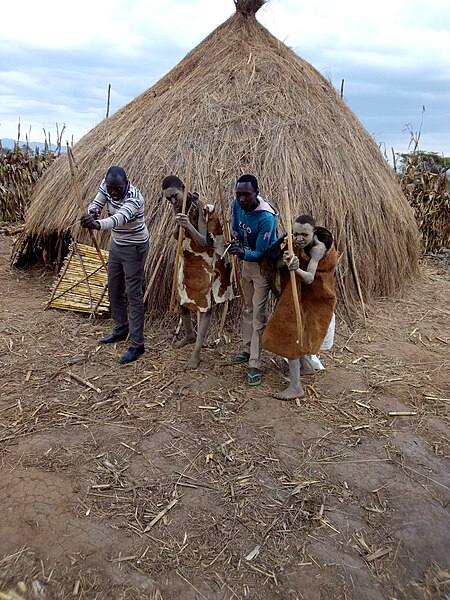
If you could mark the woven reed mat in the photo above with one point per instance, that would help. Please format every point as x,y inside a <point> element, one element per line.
<point>82,282</point>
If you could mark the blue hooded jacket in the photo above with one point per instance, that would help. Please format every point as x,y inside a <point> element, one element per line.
<point>256,230</point>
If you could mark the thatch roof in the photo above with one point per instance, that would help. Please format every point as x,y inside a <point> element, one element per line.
<point>245,102</point>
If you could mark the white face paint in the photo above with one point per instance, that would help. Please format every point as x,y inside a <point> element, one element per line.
<point>303,234</point>
<point>175,197</point>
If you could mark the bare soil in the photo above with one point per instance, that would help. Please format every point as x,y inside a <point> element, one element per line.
<point>165,485</point>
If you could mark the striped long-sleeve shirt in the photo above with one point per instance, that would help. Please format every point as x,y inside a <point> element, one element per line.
<point>125,217</point>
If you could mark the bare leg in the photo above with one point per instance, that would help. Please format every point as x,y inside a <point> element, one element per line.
<point>295,389</point>
<point>189,338</point>
<point>306,366</point>
<point>205,320</point>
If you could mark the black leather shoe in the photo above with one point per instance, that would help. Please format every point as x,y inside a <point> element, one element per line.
<point>114,337</point>
<point>130,355</point>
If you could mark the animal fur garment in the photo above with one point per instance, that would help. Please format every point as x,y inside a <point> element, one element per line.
<point>317,304</point>
<point>204,276</point>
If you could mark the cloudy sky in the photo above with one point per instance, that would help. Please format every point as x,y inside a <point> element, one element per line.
<point>57,59</point>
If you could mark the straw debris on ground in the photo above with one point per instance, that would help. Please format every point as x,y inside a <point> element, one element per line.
<point>145,481</point>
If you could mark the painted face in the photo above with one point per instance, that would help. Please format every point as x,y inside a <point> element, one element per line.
<point>175,197</point>
<point>116,187</point>
<point>246,196</point>
<point>303,234</point>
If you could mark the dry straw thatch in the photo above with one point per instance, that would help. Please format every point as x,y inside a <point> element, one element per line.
<point>245,102</point>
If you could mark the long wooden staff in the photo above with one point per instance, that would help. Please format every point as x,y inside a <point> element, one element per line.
<point>234,270</point>
<point>153,277</point>
<point>298,314</point>
<point>80,202</point>
<point>187,184</point>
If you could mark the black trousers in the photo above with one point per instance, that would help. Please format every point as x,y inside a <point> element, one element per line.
<point>126,289</point>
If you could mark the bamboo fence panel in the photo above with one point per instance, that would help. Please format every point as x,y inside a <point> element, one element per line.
<point>82,284</point>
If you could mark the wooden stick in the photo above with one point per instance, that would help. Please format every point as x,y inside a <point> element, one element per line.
<point>298,314</point>
<point>187,183</point>
<point>80,201</point>
<point>160,514</point>
<point>152,278</point>
<point>234,269</point>
<point>85,382</point>
<point>86,277</point>
<point>354,270</point>
<point>223,318</point>
<point>72,286</point>
<point>61,276</point>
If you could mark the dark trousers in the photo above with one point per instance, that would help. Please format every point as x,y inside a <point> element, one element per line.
<point>125,289</point>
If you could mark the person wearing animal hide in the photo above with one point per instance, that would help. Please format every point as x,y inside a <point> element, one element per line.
<point>314,262</point>
<point>204,275</point>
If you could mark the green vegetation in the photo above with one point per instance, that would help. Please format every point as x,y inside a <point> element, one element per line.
<point>423,160</point>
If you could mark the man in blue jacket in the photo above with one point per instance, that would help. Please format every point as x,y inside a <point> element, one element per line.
<point>254,230</point>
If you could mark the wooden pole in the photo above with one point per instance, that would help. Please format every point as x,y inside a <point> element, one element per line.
<point>80,202</point>
<point>187,183</point>
<point>153,277</point>
<point>109,100</point>
<point>234,269</point>
<point>298,314</point>
<point>354,270</point>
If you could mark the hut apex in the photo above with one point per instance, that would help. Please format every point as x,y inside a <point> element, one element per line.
<point>248,8</point>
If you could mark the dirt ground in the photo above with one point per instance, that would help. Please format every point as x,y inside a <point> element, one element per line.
<point>167,485</point>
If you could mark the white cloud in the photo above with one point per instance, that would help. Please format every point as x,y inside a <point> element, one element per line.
<point>58,58</point>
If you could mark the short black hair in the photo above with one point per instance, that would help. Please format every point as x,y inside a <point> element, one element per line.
<point>249,179</point>
<point>172,181</point>
<point>117,172</point>
<point>306,219</point>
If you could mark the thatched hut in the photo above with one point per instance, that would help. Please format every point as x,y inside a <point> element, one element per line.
<point>244,102</point>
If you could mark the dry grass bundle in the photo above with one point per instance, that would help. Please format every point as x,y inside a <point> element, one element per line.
<point>258,108</point>
<point>428,193</point>
<point>82,282</point>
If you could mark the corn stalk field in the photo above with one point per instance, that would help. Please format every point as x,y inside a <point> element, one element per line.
<point>20,169</point>
<point>428,194</point>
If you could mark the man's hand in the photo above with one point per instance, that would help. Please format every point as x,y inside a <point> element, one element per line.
<point>234,247</point>
<point>183,220</point>
<point>89,222</point>
<point>95,212</point>
<point>291,262</point>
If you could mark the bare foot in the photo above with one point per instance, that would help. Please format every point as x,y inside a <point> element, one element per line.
<point>189,339</point>
<point>193,363</point>
<point>290,393</point>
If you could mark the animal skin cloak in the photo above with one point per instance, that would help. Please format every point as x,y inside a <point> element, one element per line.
<point>204,276</point>
<point>317,304</point>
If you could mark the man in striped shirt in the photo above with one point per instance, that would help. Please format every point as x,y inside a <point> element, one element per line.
<point>127,254</point>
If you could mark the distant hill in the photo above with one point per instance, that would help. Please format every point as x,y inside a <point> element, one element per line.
<point>8,143</point>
